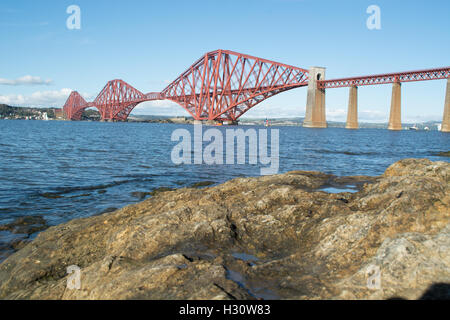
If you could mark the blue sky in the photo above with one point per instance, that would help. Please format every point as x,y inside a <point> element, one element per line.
<point>149,43</point>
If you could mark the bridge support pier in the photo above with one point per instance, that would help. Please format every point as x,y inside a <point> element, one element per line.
<point>352,113</point>
<point>395,117</point>
<point>315,103</point>
<point>446,119</point>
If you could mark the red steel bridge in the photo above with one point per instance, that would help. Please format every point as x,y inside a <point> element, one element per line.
<point>222,85</point>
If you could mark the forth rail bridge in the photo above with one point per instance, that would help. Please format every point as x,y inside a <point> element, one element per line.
<point>223,85</point>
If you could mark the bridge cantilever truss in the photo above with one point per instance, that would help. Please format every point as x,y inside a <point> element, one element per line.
<point>117,99</point>
<point>115,102</point>
<point>75,106</point>
<point>221,85</point>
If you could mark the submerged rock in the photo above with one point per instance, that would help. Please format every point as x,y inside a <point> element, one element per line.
<point>25,225</point>
<point>202,184</point>
<point>267,237</point>
<point>50,195</point>
<point>160,190</point>
<point>140,194</point>
<point>443,154</point>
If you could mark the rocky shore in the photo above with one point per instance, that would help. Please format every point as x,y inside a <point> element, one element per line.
<point>272,237</point>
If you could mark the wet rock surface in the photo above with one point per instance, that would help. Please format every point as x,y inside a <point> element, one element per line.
<point>18,233</point>
<point>273,237</point>
<point>443,154</point>
<point>25,225</point>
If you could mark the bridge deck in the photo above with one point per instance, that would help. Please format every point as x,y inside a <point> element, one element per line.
<point>408,76</point>
<point>224,84</point>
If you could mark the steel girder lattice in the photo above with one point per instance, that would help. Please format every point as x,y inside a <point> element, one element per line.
<point>420,75</point>
<point>74,107</point>
<point>117,99</point>
<point>223,85</point>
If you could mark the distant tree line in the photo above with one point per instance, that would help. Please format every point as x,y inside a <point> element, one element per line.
<point>9,111</point>
<point>90,114</point>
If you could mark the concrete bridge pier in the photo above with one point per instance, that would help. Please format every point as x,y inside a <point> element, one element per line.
<point>315,103</point>
<point>395,118</point>
<point>352,113</point>
<point>446,119</point>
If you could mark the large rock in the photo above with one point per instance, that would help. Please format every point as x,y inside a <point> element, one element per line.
<point>268,237</point>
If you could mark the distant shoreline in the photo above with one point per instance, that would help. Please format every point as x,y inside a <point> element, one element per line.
<point>432,126</point>
<point>27,113</point>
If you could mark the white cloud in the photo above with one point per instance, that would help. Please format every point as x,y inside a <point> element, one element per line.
<point>25,80</point>
<point>166,107</point>
<point>265,110</point>
<point>373,116</point>
<point>378,116</point>
<point>336,114</point>
<point>340,115</point>
<point>422,118</point>
<point>163,104</point>
<point>53,98</point>
<point>160,108</point>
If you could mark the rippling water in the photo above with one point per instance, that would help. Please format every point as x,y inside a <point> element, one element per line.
<point>67,170</point>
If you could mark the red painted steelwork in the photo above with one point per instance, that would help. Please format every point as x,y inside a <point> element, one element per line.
<point>74,107</point>
<point>223,85</point>
<point>117,99</point>
<point>419,75</point>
